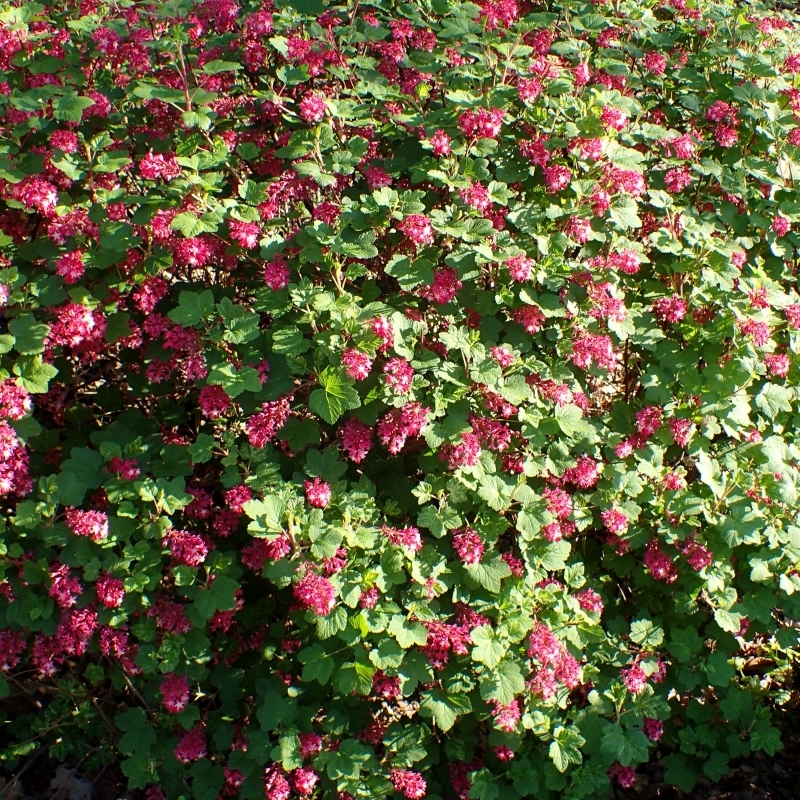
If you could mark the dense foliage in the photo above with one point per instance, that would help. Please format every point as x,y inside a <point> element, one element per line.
<point>398,399</point>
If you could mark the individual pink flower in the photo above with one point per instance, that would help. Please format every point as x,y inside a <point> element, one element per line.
<point>590,600</point>
<point>246,234</point>
<point>682,431</point>
<point>777,364</point>
<point>557,177</point>
<point>507,717</point>
<point>670,309</point>
<point>65,586</point>
<point>175,693</point>
<point>655,63</point>
<point>529,89</point>
<point>503,355</point>
<point>585,473</point>
<point>482,123</point>
<point>659,564</point>
<point>464,454</point>
<point>444,288</point>
<point>530,317</point>
<point>12,646</point>
<point>66,141</point>
<point>276,787</point>
<point>408,538</point>
<point>318,493</point>
<point>634,678</point>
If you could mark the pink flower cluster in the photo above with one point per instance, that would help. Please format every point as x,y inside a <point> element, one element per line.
<point>356,439</point>
<point>469,545</point>
<point>263,426</point>
<point>408,538</point>
<point>400,424</point>
<point>318,493</point>
<point>315,593</point>
<point>175,693</point>
<point>92,524</point>
<point>410,784</point>
<point>556,664</point>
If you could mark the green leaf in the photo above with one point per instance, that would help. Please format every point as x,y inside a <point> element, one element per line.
<point>29,335</point>
<point>216,66</point>
<point>438,522</point>
<point>443,708</point>
<point>276,710</point>
<point>325,465</point>
<point>720,672</point>
<point>70,107</point>
<point>716,765</point>
<point>629,747</point>
<point>489,573</point>
<point>201,450</point>
<point>241,325</point>
<point>570,420</point>
<point>336,396</point>
<point>79,473</point>
<point>234,381</point>
<point>410,273</point>
<point>318,665</point>
<point>646,633</point>
<point>488,648</point>
<point>414,670</point>
<point>773,399</point>
<point>728,620</point>
<point>194,308</point>
<point>407,633</point>
<point>355,677</point>
<point>190,225</point>
<point>35,375</point>
<point>685,643</point>
<point>483,786</point>
<point>624,212</point>
<point>680,771</point>
<point>139,733</point>
<point>503,684</point>
<point>565,747</point>
<point>765,737</point>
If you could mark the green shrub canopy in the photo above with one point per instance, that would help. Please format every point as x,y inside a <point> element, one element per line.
<point>398,399</point>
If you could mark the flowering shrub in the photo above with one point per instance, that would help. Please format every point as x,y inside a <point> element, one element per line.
<point>398,399</point>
